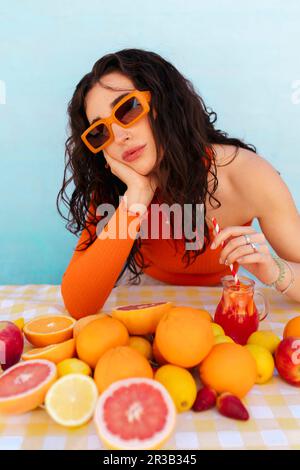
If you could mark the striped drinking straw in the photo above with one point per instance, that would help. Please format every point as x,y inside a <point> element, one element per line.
<point>217,229</point>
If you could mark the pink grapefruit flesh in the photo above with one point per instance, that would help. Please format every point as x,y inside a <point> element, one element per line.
<point>134,414</point>
<point>23,387</point>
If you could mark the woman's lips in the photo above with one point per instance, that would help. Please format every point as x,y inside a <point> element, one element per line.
<point>134,155</point>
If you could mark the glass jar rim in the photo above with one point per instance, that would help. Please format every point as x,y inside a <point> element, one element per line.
<point>247,283</point>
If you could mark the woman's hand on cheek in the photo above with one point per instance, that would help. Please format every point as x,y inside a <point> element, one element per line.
<point>140,189</point>
<point>126,174</point>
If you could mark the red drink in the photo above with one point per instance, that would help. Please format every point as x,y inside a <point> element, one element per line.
<point>236,311</point>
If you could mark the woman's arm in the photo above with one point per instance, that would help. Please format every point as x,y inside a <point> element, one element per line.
<point>92,273</point>
<point>262,188</point>
<point>279,220</point>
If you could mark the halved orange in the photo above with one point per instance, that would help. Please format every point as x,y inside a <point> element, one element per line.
<point>55,353</point>
<point>49,329</point>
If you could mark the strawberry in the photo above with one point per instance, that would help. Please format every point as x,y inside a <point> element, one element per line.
<point>205,399</point>
<point>231,406</point>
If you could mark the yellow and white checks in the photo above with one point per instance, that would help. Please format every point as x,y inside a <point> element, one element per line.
<point>274,407</point>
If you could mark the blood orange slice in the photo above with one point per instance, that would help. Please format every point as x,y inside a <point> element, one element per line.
<point>23,387</point>
<point>141,319</point>
<point>134,414</point>
<point>49,329</point>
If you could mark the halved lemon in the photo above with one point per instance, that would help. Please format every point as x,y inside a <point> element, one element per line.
<point>72,399</point>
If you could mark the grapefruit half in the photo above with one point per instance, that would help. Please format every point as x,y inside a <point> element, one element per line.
<point>23,387</point>
<point>141,319</point>
<point>135,413</point>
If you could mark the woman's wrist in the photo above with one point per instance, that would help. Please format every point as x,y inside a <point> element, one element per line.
<point>139,208</point>
<point>285,275</point>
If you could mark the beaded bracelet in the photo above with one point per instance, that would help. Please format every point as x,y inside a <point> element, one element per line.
<point>281,264</point>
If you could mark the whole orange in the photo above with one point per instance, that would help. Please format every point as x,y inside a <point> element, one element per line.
<point>184,309</point>
<point>184,337</point>
<point>120,363</point>
<point>99,336</point>
<point>292,328</point>
<point>229,367</point>
<point>83,321</point>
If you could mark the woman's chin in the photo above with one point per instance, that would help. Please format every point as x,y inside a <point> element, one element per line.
<point>143,169</point>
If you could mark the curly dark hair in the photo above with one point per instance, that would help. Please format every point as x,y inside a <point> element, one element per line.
<point>183,127</point>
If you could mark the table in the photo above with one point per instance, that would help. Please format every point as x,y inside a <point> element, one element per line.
<point>274,407</point>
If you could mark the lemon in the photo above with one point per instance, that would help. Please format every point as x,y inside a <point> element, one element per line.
<point>267,339</point>
<point>73,366</point>
<point>72,399</point>
<point>264,362</point>
<point>19,322</point>
<point>217,329</point>
<point>180,384</point>
<point>223,339</point>
<point>142,345</point>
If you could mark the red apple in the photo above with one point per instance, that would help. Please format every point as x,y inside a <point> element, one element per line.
<point>287,360</point>
<point>11,344</point>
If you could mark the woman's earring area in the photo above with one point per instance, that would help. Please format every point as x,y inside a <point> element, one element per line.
<point>106,164</point>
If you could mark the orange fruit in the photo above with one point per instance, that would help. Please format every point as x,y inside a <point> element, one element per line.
<point>184,337</point>
<point>229,367</point>
<point>120,363</point>
<point>55,353</point>
<point>159,359</point>
<point>23,387</point>
<point>142,345</point>
<point>99,336</point>
<point>184,309</point>
<point>49,329</point>
<point>141,319</point>
<point>82,322</point>
<point>292,328</point>
<point>135,414</point>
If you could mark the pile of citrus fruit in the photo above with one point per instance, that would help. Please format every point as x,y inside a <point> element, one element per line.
<point>135,368</point>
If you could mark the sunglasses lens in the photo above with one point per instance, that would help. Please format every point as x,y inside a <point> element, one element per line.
<point>129,110</point>
<point>98,136</point>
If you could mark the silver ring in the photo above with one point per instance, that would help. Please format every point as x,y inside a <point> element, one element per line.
<point>255,247</point>
<point>248,241</point>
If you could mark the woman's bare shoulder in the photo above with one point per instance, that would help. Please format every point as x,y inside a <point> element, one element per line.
<point>242,165</point>
<point>244,179</point>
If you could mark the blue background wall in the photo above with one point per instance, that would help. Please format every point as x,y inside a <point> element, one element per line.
<point>243,57</point>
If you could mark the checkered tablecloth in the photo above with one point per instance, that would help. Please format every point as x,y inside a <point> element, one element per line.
<point>274,407</point>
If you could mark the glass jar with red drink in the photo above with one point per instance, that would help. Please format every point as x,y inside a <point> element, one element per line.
<point>237,312</point>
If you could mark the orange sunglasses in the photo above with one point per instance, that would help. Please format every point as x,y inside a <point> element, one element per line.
<point>128,111</point>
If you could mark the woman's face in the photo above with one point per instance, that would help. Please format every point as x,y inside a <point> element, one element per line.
<point>98,104</point>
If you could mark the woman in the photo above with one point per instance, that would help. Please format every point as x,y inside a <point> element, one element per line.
<point>148,106</point>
